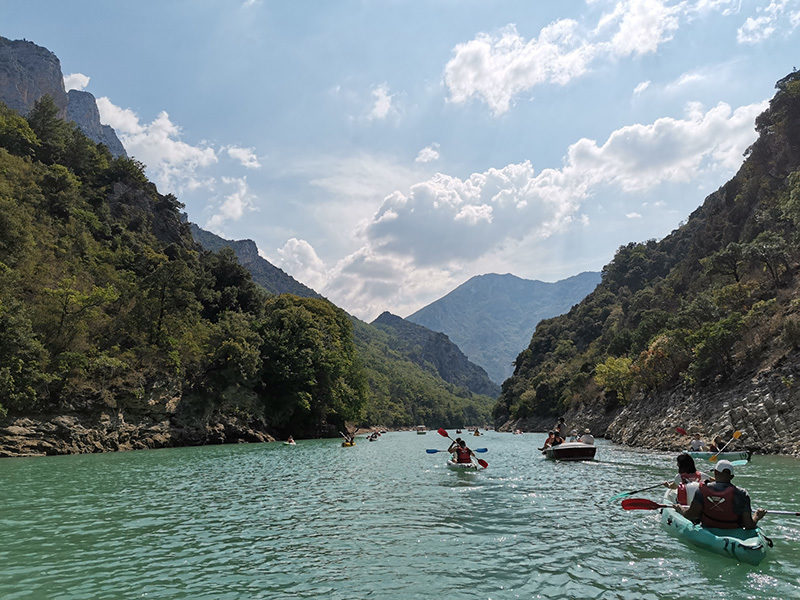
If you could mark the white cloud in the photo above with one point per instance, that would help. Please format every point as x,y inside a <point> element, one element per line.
<point>383,103</point>
<point>299,259</point>
<point>233,206</point>
<point>76,81</point>
<point>772,17</point>
<point>641,87</point>
<point>246,156</point>
<point>496,68</point>
<point>445,227</point>
<point>428,154</point>
<point>172,163</point>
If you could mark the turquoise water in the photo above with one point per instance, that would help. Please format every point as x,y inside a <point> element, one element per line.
<point>379,520</point>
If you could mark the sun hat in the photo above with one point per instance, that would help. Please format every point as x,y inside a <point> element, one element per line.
<point>724,465</point>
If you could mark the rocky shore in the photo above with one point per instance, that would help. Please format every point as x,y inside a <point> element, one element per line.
<point>765,407</point>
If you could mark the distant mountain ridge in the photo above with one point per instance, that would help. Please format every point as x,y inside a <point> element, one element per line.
<point>492,317</point>
<point>264,273</point>
<point>434,349</point>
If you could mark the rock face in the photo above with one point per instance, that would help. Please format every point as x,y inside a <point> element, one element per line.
<point>766,408</point>
<point>28,72</point>
<point>82,108</point>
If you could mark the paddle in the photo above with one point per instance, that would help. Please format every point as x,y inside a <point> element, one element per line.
<point>626,494</point>
<point>442,432</point>
<point>434,450</point>
<point>681,430</point>
<point>736,435</point>
<point>644,504</point>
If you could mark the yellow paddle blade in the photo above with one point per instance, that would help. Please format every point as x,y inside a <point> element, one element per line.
<point>737,434</point>
<point>713,459</point>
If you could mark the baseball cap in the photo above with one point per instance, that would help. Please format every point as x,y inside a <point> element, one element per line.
<point>723,465</point>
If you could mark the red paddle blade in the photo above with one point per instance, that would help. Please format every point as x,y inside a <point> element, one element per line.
<point>442,432</point>
<point>681,430</point>
<point>483,463</point>
<point>640,504</point>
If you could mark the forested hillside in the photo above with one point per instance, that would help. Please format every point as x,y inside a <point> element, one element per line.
<point>109,309</point>
<point>714,303</point>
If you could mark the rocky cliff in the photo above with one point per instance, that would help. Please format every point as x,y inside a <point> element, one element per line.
<point>82,109</point>
<point>28,72</point>
<point>765,407</point>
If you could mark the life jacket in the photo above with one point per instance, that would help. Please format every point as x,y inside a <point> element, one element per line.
<point>683,497</point>
<point>718,508</point>
<point>463,455</point>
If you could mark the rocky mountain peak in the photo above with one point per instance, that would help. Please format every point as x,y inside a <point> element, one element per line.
<point>82,108</point>
<point>28,72</point>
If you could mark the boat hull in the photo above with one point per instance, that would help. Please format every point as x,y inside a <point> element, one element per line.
<point>571,451</point>
<point>745,545</point>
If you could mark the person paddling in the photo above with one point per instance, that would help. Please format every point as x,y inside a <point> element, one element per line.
<point>688,479</point>
<point>463,453</point>
<point>721,504</point>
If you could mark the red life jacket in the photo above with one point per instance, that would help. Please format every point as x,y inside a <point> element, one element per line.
<point>718,508</point>
<point>686,478</point>
<point>463,455</point>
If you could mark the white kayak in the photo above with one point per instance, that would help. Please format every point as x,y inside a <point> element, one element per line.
<point>457,466</point>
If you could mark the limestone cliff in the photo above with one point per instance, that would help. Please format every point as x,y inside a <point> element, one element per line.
<point>82,109</point>
<point>28,72</point>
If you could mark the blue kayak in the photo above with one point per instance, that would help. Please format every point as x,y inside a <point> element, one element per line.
<point>745,545</point>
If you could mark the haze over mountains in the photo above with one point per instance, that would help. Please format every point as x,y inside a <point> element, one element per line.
<point>492,317</point>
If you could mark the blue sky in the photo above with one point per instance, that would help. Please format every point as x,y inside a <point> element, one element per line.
<point>383,152</point>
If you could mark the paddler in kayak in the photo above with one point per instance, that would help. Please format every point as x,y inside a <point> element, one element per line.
<point>687,474</point>
<point>721,504</point>
<point>462,453</point>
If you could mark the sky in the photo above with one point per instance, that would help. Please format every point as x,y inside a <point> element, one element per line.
<point>385,151</point>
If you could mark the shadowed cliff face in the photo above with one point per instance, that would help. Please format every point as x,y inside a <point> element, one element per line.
<point>28,72</point>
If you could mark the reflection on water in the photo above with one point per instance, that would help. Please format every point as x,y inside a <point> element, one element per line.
<point>380,519</point>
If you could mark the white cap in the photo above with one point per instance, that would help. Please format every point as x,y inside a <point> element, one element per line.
<point>724,465</point>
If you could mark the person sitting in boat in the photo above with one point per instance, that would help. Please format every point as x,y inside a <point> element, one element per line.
<point>688,479</point>
<point>587,437</point>
<point>573,435</point>
<point>551,436</point>
<point>697,444</point>
<point>463,453</point>
<point>717,445</point>
<point>721,504</point>
<point>561,428</point>
<point>290,439</point>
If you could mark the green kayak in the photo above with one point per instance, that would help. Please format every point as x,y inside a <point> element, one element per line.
<point>744,455</point>
<point>745,545</point>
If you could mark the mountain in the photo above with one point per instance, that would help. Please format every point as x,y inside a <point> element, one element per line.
<point>28,72</point>
<point>491,317</point>
<point>434,351</point>
<point>264,273</point>
<point>700,329</point>
<point>414,375</point>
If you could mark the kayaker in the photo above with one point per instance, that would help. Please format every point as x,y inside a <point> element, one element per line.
<point>697,444</point>
<point>463,453</point>
<point>717,445</point>
<point>290,439</point>
<point>687,474</point>
<point>587,437</point>
<point>454,446</point>
<point>721,504</point>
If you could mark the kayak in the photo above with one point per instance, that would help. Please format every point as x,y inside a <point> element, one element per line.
<point>289,444</point>
<point>745,545</point>
<point>348,444</point>
<point>743,455</point>
<point>463,467</point>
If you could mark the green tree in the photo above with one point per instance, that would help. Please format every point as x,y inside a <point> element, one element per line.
<point>615,375</point>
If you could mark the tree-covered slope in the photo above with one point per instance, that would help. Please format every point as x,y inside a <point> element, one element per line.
<point>109,309</point>
<point>491,317</point>
<point>714,301</point>
<point>435,352</point>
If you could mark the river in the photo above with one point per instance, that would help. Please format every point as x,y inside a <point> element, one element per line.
<point>381,520</point>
